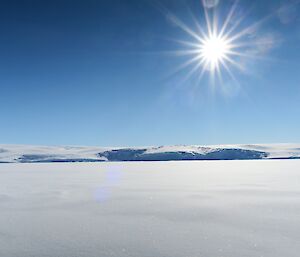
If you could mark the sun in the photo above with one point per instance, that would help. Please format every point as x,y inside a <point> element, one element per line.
<point>214,50</point>
<point>216,45</point>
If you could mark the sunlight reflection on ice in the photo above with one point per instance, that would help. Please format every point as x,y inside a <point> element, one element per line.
<point>112,178</point>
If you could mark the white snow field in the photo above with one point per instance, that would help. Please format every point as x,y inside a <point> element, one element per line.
<point>248,208</point>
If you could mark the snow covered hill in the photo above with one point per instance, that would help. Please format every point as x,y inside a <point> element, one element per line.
<point>29,154</point>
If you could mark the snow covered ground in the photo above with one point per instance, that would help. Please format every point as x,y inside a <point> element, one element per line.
<point>29,154</point>
<point>146,209</point>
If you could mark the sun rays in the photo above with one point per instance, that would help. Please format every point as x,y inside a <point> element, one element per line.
<point>217,46</point>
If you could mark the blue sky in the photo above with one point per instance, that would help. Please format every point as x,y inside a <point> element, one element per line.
<point>102,73</point>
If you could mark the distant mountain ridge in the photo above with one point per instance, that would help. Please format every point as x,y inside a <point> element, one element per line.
<point>217,154</point>
<point>38,154</point>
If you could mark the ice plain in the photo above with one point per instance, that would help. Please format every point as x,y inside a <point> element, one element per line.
<point>248,208</point>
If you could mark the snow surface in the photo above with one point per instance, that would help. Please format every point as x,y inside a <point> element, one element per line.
<point>23,153</point>
<point>147,209</point>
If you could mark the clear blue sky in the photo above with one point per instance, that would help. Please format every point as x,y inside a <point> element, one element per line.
<point>98,73</point>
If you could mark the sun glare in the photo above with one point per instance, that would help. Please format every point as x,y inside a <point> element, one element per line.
<point>213,50</point>
<point>218,44</point>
